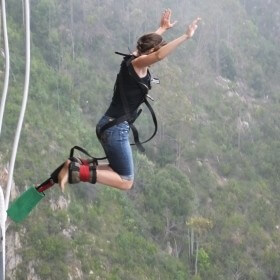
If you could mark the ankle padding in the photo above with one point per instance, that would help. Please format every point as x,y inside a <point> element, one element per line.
<point>82,170</point>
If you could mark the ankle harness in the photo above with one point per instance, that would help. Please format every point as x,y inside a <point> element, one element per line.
<point>80,170</point>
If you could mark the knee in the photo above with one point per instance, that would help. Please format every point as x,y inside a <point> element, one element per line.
<point>127,184</point>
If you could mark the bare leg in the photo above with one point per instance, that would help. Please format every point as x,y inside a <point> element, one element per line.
<point>104,175</point>
<point>64,175</point>
<point>107,176</point>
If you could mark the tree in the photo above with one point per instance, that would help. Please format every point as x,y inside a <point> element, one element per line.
<point>198,226</point>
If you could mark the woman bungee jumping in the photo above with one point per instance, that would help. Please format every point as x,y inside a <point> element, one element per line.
<point>130,91</point>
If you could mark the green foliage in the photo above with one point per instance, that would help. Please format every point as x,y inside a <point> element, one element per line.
<point>134,250</point>
<point>203,261</point>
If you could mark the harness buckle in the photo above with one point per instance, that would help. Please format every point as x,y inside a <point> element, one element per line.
<point>155,80</point>
<point>150,97</point>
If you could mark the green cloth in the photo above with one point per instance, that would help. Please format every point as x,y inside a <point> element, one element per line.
<point>22,206</point>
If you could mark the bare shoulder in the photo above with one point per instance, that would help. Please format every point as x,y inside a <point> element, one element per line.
<point>136,60</point>
<point>139,68</point>
<point>145,60</point>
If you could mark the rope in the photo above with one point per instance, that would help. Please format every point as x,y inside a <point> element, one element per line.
<point>23,106</point>
<point>5,202</point>
<point>7,63</point>
<point>2,108</point>
<point>2,234</point>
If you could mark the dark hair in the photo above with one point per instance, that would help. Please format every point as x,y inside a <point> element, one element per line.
<point>149,41</point>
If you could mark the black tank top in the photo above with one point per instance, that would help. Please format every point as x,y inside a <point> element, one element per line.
<point>132,91</point>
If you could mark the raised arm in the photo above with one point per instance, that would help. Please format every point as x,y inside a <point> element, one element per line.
<point>149,59</point>
<point>165,23</point>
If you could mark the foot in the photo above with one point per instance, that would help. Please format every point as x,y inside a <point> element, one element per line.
<point>64,175</point>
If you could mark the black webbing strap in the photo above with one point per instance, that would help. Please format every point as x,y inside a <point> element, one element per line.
<point>51,181</point>
<point>85,152</point>
<point>118,121</point>
<point>137,143</point>
<point>123,54</point>
<point>112,123</point>
<point>154,120</point>
<point>46,185</point>
<point>54,175</point>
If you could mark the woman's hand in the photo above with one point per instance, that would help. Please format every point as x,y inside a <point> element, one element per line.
<point>192,27</point>
<point>165,20</point>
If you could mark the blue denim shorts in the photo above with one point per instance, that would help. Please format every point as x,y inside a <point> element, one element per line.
<point>115,142</point>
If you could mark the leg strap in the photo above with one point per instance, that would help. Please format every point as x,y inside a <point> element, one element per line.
<point>82,170</point>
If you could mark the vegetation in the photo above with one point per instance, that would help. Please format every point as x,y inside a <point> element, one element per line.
<point>205,204</point>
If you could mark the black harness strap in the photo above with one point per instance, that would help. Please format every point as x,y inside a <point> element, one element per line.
<point>46,185</point>
<point>154,120</point>
<point>54,175</point>
<point>113,122</point>
<point>95,159</point>
<point>51,181</point>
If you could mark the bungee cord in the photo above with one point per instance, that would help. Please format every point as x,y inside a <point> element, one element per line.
<point>4,201</point>
<point>7,63</point>
<point>3,214</point>
<point>24,102</point>
<point>3,218</point>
